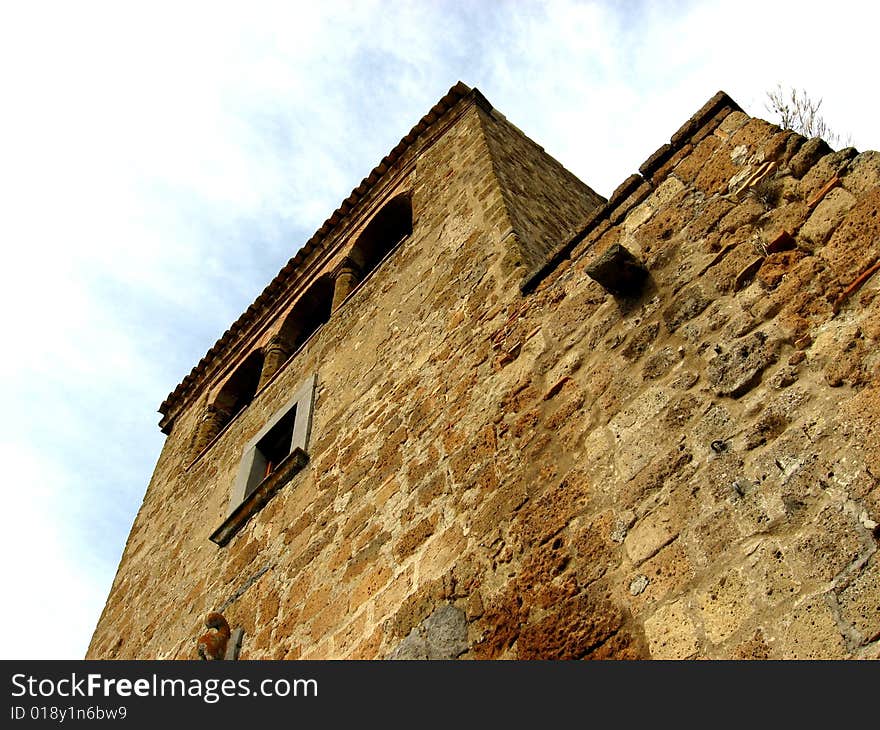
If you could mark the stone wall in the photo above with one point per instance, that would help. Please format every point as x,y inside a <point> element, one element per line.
<point>690,472</point>
<point>546,203</point>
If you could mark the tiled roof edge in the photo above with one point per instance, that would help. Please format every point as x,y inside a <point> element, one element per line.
<point>456,93</point>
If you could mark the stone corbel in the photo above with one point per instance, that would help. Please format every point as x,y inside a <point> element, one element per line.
<point>212,422</point>
<point>346,277</point>
<point>275,354</point>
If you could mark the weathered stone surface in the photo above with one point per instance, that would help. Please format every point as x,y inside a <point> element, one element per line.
<point>754,648</point>
<point>686,306</point>
<point>578,629</point>
<point>443,635</point>
<point>640,340</point>
<point>494,474</point>
<point>671,633</point>
<point>810,631</point>
<point>775,266</point>
<point>660,363</point>
<point>833,544</point>
<point>863,173</point>
<point>846,253</point>
<point>666,575</point>
<point>724,605</point>
<point>782,146</point>
<point>858,601</point>
<point>826,216</point>
<point>650,534</point>
<point>810,152</point>
<point>737,366</point>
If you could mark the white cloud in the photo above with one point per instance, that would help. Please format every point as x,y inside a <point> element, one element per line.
<point>53,595</point>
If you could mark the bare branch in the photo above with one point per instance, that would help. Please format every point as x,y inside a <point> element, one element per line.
<point>795,110</point>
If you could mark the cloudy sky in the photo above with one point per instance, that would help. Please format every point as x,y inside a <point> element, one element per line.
<point>159,163</point>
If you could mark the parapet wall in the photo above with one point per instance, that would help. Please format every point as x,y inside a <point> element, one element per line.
<point>721,429</point>
<point>692,472</point>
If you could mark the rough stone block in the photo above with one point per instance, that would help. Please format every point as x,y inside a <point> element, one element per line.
<point>671,633</point>
<point>618,271</point>
<point>688,304</point>
<point>828,167</point>
<point>737,366</point>
<point>442,635</point>
<point>859,604</point>
<point>574,629</point>
<point>413,647</point>
<point>650,534</point>
<point>667,573</point>
<point>810,631</point>
<point>724,605</point>
<point>826,216</point>
<point>446,633</point>
<point>719,106</point>
<point>833,544</point>
<point>863,174</point>
<point>807,156</point>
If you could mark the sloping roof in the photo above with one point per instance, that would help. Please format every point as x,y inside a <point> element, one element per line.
<point>284,277</point>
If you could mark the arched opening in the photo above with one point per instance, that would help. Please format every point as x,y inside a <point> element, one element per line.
<point>235,395</point>
<point>310,312</point>
<point>241,387</point>
<point>388,228</point>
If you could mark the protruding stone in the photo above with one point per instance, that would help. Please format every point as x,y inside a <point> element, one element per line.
<point>346,278</point>
<point>809,154</point>
<point>783,241</point>
<point>638,585</point>
<point>618,271</point>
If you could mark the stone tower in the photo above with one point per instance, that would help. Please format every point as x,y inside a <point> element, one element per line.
<point>484,413</point>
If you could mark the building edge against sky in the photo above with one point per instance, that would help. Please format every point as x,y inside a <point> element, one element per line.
<point>484,413</point>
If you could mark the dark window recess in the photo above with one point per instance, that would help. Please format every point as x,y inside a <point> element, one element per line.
<point>388,228</point>
<point>239,390</point>
<point>235,396</point>
<point>270,460</point>
<point>275,446</point>
<point>310,313</point>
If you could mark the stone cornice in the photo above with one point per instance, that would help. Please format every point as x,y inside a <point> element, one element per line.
<point>296,268</point>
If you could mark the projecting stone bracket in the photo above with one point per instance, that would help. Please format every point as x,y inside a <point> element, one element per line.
<point>618,271</point>
<point>220,644</point>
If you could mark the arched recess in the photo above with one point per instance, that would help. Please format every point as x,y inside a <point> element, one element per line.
<point>310,312</point>
<point>235,395</point>
<point>241,387</point>
<point>388,227</point>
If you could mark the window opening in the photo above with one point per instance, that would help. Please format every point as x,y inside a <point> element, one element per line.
<point>275,446</point>
<point>270,460</point>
